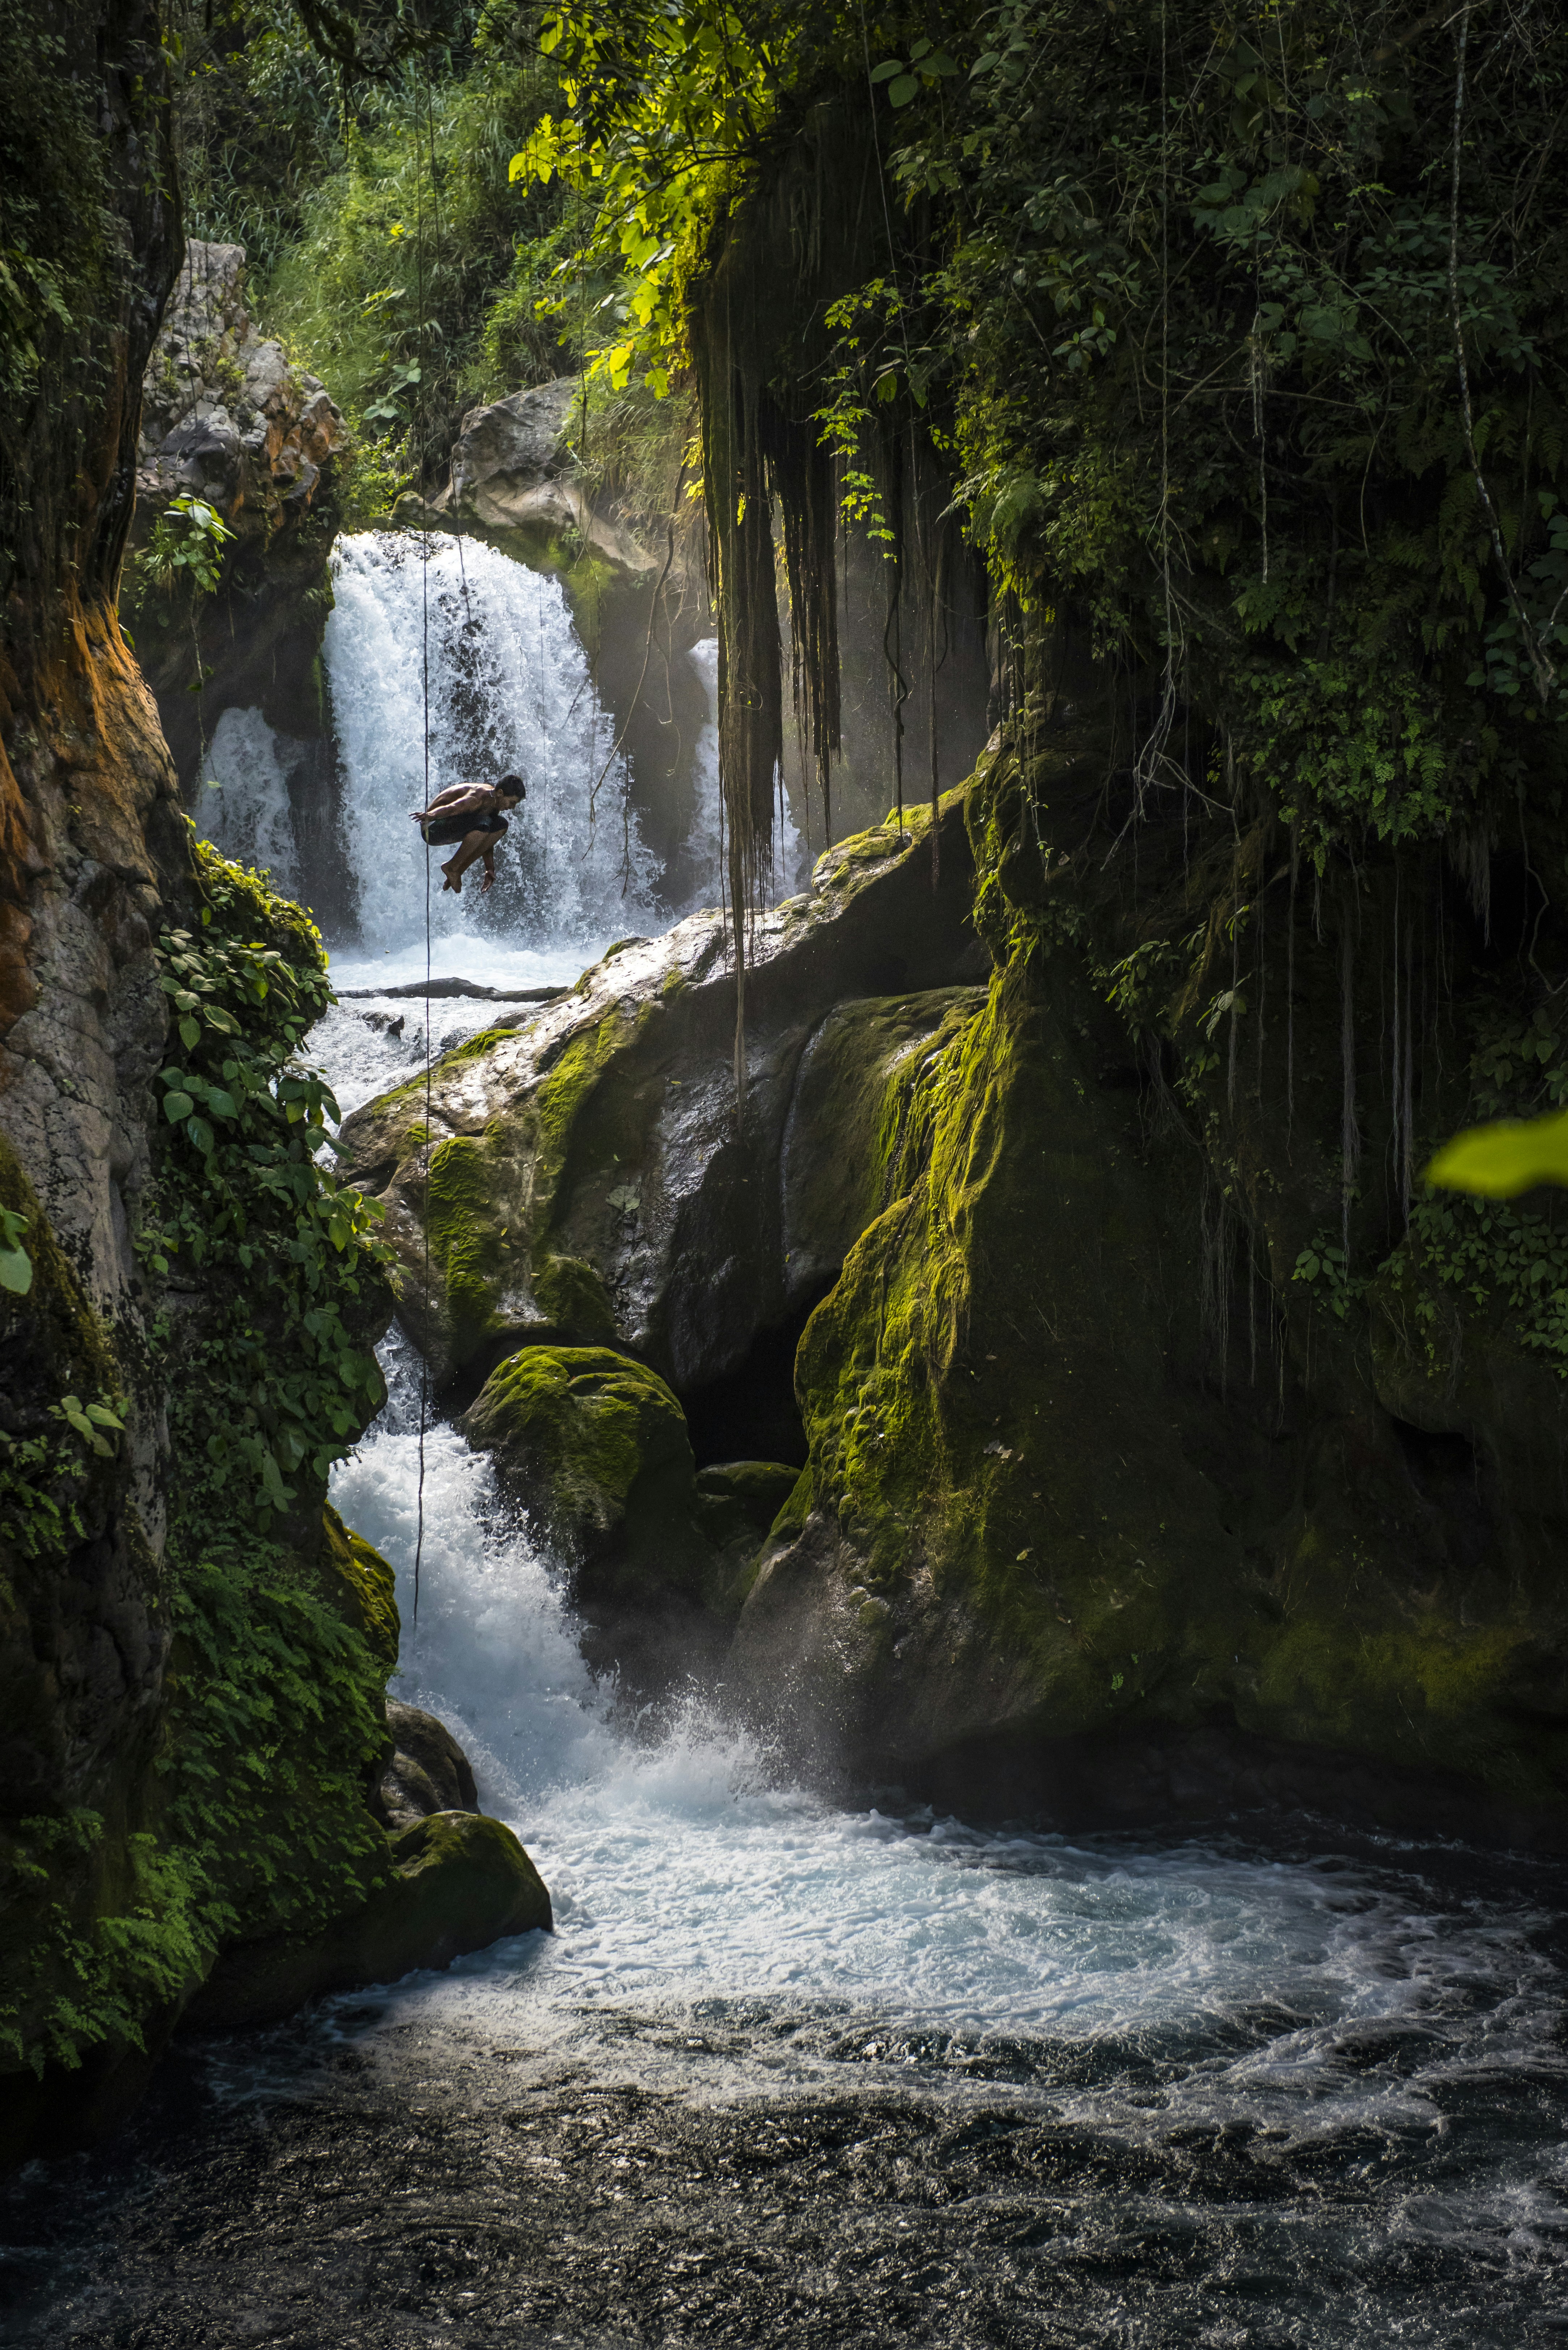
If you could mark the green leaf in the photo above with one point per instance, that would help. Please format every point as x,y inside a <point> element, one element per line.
<point>177,1106</point>
<point>906,86</point>
<point>15,1270</point>
<point>276,1492</point>
<point>888,68</point>
<point>201,1134</point>
<point>190,1029</point>
<point>1500,1160</point>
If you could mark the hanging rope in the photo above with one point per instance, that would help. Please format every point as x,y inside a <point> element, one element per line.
<point>425,697</point>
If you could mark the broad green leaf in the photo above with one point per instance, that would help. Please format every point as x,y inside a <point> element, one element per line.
<point>906,86</point>
<point>888,68</point>
<point>201,1134</point>
<point>190,1029</point>
<point>1510,1155</point>
<point>177,1106</point>
<point>15,1270</point>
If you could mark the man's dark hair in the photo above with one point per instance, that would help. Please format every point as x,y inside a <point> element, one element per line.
<point>514,786</point>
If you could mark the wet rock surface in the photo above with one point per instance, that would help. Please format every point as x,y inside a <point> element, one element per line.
<point>588,1178</point>
<point>428,1772</point>
<point>456,1882</point>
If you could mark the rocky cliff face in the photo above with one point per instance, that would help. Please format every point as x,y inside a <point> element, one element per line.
<point>226,418</point>
<point>172,1781</point>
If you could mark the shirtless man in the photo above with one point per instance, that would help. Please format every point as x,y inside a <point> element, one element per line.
<point>471,815</point>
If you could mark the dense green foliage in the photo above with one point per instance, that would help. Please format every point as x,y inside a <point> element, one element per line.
<point>275,1380</point>
<point>49,246</point>
<point>1245,335</point>
<point>269,1287</point>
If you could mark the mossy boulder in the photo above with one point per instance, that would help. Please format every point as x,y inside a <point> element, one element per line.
<point>364,1585</point>
<point>585,1180</point>
<point>595,1446</point>
<point>1083,1470</point>
<point>738,1503</point>
<point>455,1883</point>
<point>428,1772</point>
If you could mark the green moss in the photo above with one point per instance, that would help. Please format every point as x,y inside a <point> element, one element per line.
<point>596,1446</point>
<point>797,1505</point>
<point>370,1588</point>
<point>570,1293</point>
<point>453,1883</point>
<point>464,1232</point>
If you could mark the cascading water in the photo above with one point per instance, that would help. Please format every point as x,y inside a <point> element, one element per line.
<point>705,841</point>
<point>248,817</point>
<point>508,691</point>
<point>855,2076</point>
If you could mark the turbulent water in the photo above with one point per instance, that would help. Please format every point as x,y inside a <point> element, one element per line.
<point>792,2071</point>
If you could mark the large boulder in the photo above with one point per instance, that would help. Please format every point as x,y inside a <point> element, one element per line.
<point>595,1446</point>
<point>455,1883</point>
<point>226,416</point>
<point>588,1178</point>
<point>427,1771</point>
<point>1099,1517</point>
<point>514,468</point>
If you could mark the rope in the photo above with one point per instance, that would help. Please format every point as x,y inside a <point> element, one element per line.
<point>425,696</point>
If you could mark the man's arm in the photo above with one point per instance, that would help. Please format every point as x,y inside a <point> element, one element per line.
<point>458,799</point>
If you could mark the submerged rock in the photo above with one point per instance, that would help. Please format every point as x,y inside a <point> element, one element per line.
<point>457,1883</point>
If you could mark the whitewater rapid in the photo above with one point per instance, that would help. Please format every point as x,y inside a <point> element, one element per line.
<point>695,1882</point>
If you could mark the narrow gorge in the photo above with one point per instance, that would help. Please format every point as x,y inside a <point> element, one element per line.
<point>807,1570</point>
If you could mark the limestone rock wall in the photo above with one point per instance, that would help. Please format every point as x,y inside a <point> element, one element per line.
<point>225,416</point>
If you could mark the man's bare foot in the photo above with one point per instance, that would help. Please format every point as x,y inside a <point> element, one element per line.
<point>452,881</point>
<point>487,883</point>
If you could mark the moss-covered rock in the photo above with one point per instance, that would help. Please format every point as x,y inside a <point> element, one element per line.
<point>738,1503</point>
<point>586,1179</point>
<point>1080,1471</point>
<point>455,1883</point>
<point>366,1584</point>
<point>595,1446</point>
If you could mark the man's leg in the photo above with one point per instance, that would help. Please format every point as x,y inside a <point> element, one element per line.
<point>472,844</point>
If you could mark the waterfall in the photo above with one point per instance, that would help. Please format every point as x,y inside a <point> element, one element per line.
<point>509,691</point>
<point>248,818</point>
<point>705,841</point>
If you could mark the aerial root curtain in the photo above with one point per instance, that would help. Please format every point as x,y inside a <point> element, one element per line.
<point>759,457</point>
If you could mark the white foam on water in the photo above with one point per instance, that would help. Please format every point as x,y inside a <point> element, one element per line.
<point>508,691</point>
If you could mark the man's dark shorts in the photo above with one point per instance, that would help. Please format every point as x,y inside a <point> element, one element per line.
<point>446,831</point>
